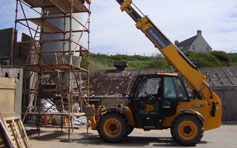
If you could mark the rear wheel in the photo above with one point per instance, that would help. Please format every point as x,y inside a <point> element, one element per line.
<point>187,130</point>
<point>112,127</point>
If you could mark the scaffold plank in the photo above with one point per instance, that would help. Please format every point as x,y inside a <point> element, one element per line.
<point>39,3</point>
<point>78,5</point>
<point>46,25</point>
<point>62,5</point>
<point>47,68</point>
<point>65,5</point>
<point>59,6</point>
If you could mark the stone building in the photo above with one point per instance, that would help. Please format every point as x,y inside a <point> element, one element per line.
<point>19,53</point>
<point>6,45</point>
<point>12,55</point>
<point>196,43</point>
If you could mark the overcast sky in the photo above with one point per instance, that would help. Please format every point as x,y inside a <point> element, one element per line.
<point>114,32</point>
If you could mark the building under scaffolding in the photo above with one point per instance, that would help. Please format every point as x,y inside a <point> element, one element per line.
<point>58,30</point>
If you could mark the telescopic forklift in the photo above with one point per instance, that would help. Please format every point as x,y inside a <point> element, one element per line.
<point>187,117</point>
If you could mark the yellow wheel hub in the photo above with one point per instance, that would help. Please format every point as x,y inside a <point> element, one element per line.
<point>112,127</point>
<point>187,130</point>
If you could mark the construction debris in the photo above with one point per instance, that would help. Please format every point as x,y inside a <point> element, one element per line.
<point>52,116</point>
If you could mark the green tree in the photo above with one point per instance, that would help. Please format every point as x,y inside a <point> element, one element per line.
<point>209,59</point>
<point>223,57</point>
<point>204,59</point>
<point>233,57</point>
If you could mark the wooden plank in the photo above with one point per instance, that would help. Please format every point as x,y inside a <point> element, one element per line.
<point>12,130</point>
<point>62,5</point>
<point>65,6</point>
<point>7,83</point>
<point>54,10</point>
<point>51,8</point>
<point>18,132</point>
<point>31,99</point>
<point>39,3</point>
<point>57,6</point>
<point>46,25</point>
<point>54,68</point>
<point>4,132</point>
<point>78,5</point>
<point>7,96</point>
<point>2,145</point>
<point>23,133</point>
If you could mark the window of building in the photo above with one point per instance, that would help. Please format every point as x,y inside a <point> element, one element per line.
<point>193,47</point>
<point>207,49</point>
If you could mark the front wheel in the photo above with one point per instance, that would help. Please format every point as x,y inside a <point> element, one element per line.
<point>187,130</point>
<point>112,127</point>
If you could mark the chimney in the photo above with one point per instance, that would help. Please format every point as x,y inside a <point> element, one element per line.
<point>120,66</point>
<point>176,42</point>
<point>199,32</point>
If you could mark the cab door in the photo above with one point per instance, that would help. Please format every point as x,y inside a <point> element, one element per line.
<point>149,110</point>
<point>145,105</point>
<point>174,91</point>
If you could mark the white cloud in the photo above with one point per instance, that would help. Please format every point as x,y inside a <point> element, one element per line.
<point>114,32</point>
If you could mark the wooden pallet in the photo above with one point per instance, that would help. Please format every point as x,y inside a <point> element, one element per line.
<point>4,136</point>
<point>15,133</point>
<point>2,144</point>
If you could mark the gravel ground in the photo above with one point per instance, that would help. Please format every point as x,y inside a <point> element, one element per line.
<point>223,137</point>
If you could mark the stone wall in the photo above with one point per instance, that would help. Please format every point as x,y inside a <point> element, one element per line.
<point>6,42</point>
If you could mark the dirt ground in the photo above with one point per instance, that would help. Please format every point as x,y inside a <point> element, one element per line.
<point>223,137</point>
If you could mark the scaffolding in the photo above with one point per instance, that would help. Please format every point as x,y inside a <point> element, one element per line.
<point>60,81</point>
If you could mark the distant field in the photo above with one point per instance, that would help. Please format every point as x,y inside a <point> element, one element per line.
<point>211,59</point>
<point>104,62</point>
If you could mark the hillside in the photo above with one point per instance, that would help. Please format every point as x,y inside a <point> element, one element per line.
<point>211,59</point>
<point>104,62</point>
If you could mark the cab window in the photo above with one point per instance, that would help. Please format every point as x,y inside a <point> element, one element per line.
<point>173,88</point>
<point>147,86</point>
<point>181,93</point>
<point>169,88</point>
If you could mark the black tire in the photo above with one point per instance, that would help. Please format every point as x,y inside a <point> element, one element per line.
<point>187,130</point>
<point>112,127</point>
<point>129,130</point>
